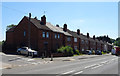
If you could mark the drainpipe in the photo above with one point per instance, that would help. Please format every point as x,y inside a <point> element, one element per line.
<point>29,29</point>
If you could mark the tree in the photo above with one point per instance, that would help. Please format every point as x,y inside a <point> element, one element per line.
<point>117,42</point>
<point>10,26</point>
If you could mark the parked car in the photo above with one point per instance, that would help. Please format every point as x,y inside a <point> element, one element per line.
<point>98,52</point>
<point>27,51</point>
<point>89,52</point>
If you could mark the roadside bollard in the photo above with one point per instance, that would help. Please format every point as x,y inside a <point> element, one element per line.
<point>51,57</point>
<point>42,55</point>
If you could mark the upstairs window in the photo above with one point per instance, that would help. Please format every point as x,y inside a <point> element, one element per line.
<point>55,36</point>
<point>43,34</point>
<point>58,36</point>
<point>47,35</point>
<point>86,41</point>
<point>24,33</point>
<point>68,39</point>
<point>75,39</point>
<point>82,41</point>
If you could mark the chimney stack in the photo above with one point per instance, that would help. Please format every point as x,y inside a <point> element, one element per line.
<point>35,18</point>
<point>65,27</point>
<point>87,35</point>
<point>29,16</point>
<point>57,25</point>
<point>78,31</point>
<point>43,20</point>
<point>94,37</point>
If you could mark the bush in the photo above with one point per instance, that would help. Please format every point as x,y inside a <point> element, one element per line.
<point>103,52</point>
<point>61,50</point>
<point>66,50</point>
<point>77,52</point>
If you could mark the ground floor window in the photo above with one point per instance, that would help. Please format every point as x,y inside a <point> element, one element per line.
<point>75,47</point>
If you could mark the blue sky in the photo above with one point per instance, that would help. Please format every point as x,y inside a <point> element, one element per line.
<point>97,18</point>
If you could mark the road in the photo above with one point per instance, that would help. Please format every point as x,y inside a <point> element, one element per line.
<point>102,64</point>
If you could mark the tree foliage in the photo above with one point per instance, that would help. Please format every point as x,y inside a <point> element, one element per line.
<point>106,38</point>
<point>117,42</point>
<point>10,26</point>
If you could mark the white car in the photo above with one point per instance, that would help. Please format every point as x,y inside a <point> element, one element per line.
<point>27,51</point>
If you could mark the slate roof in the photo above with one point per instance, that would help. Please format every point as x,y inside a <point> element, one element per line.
<point>74,34</point>
<point>57,29</point>
<point>83,37</point>
<point>38,25</point>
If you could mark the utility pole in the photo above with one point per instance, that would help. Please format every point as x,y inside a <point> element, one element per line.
<point>29,30</point>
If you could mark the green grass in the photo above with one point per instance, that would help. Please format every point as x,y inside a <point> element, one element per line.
<point>78,55</point>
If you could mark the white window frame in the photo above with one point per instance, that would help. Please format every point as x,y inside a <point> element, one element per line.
<point>24,33</point>
<point>55,36</point>
<point>58,36</point>
<point>82,41</point>
<point>75,39</point>
<point>75,47</point>
<point>68,38</point>
<point>43,34</point>
<point>47,34</point>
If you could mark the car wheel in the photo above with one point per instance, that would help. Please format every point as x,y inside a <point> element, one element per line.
<point>27,54</point>
<point>32,55</point>
<point>19,52</point>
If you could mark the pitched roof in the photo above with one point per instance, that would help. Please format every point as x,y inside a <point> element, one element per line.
<point>48,26</point>
<point>74,34</point>
<point>83,37</point>
<point>57,29</point>
<point>37,24</point>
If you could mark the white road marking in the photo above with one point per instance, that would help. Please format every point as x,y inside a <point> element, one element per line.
<point>90,66</point>
<point>69,72</point>
<point>79,72</point>
<point>97,66</point>
<point>30,59</point>
<point>104,62</point>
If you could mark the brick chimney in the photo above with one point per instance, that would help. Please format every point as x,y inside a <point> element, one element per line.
<point>57,25</point>
<point>35,17</point>
<point>29,16</point>
<point>43,20</point>
<point>65,27</point>
<point>78,31</point>
<point>87,35</point>
<point>94,37</point>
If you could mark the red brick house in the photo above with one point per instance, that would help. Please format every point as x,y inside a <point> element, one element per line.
<point>47,38</point>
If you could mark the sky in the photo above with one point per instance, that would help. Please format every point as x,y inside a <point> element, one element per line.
<point>96,18</point>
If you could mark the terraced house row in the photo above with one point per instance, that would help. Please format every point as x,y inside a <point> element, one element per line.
<point>47,38</point>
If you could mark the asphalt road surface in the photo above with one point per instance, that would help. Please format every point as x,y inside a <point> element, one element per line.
<point>103,64</point>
